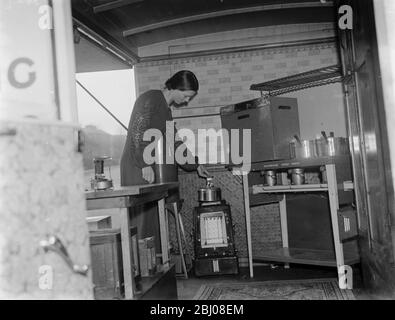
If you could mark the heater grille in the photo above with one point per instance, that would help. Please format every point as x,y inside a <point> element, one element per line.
<point>213,230</point>
<point>215,252</point>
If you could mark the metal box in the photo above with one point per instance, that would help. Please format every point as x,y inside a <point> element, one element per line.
<point>107,263</point>
<point>99,222</point>
<point>273,124</point>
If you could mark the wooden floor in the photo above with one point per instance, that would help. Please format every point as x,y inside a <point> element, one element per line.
<point>188,288</point>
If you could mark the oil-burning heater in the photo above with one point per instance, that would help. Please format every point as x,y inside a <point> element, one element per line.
<point>215,251</point>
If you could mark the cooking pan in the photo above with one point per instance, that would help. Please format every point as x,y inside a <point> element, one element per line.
<point>331,146</point>
<point>302,149</point>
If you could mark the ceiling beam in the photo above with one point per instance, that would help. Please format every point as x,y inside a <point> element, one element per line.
<point>126,55</point>
<point>114,5</point>
<point>223,13</point>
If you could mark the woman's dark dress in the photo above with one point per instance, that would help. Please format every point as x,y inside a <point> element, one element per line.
<point>150,112</point>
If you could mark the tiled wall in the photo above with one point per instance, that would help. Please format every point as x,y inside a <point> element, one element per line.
<point>226,79</point>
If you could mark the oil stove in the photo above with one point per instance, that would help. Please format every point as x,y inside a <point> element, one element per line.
<point>215,251</point>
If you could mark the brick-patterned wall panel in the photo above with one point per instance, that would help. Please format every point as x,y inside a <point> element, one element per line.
<point>226,78</point>
<point>265,228</point>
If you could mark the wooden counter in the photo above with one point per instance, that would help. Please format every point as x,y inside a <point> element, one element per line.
<point>123,198</point>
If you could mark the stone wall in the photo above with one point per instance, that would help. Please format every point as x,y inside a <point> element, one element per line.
<point>42,194</point>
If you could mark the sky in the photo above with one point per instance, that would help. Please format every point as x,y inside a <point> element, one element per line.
<point>115,90</point>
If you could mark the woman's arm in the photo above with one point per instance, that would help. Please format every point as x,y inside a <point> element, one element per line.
<point>195,166</point>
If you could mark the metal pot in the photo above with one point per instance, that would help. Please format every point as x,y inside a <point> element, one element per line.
<point>322,145</point>
<point>302,149</point>
<point>210,193</point>
<point>331,146</point>
<point>338,146</point>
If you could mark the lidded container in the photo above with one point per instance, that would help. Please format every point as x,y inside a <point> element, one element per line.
<point>298,177</point>
<point>270,177</point>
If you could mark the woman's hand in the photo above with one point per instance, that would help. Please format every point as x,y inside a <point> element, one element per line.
<point>148,174</point>
<point>202,171</point>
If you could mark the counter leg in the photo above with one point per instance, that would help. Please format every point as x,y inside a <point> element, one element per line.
<point>176,215</point>
<point>130,286</point>
<point>248,222</point>
<point>284,225</point>
<point>334,206</point>
<point>164,238</point>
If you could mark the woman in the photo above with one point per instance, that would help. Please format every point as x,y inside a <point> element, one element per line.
<point>151,111</point>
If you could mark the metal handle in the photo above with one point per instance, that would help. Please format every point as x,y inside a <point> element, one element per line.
<point>54,244</point>
<point>298,139</point>
<point>323,133</point>
<point>245,116</point>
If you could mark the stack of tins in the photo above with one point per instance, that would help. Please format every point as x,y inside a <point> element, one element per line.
<point>147,256</point>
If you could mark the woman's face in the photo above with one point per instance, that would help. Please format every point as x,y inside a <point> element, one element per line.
<point>181,98</point>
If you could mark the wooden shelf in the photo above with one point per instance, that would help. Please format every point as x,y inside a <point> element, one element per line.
<point>257,189</point>
<point>306,256</point>
<point>147,284</point>
<point>294,163</point>
<point>300,163</point>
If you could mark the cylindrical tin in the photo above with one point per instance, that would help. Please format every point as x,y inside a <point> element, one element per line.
<point>164,172</point>
<point>298,177</point>
<point>270,177</point>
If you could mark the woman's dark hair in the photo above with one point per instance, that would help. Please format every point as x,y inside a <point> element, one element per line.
<point>183,80</point>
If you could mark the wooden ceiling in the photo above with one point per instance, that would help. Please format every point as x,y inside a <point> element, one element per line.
<point>130,24</point>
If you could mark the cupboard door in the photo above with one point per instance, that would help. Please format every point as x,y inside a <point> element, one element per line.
<point>369,144</point>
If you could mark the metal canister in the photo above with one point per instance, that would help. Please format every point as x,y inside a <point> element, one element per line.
<point>270,177</point>
<point>298,177</point>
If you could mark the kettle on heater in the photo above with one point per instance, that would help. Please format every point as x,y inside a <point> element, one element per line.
<point>209,193</point>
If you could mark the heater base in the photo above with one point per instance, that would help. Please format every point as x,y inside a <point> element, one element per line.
<point>216,266</point>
